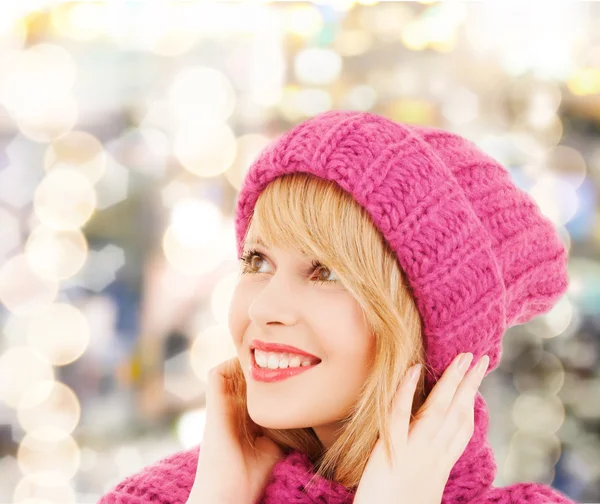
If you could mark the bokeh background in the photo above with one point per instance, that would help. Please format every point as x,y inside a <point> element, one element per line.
<point>126,129</point>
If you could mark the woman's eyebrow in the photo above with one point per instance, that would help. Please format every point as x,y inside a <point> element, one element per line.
<point>258,241</point>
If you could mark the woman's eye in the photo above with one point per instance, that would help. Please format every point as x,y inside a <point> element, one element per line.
<point>254,260</point>
<point>324,277</point>
<point>251,262</point>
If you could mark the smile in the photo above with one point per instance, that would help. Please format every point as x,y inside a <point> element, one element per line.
<point>266,374</point>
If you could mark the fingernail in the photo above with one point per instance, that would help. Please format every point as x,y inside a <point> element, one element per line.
<point>415,372</point>
<point>482,364</point>
<point>464,361</point>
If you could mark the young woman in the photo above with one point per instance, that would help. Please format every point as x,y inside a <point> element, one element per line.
<point>380,265</point>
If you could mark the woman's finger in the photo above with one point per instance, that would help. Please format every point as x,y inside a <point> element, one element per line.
<point>403,401</point>
<point>464,399</point>
<point>438,402</point>
<point>218,375</point>
<point>218,405</point>
<point>460,425</point>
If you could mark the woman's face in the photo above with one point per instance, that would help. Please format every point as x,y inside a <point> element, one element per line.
<point>279,300</point>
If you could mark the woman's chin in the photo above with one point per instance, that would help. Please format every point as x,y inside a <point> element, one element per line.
<point>269,419</point>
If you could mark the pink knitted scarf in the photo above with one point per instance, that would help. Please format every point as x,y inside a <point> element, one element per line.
<point>170,480</point>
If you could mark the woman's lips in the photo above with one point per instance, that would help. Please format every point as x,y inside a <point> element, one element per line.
<point>272,375</point>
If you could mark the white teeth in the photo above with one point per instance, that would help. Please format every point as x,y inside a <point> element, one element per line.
<point>273,360</point>
<point>261,358</point>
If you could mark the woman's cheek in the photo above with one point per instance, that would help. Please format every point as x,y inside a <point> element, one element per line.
<point>238,316</point>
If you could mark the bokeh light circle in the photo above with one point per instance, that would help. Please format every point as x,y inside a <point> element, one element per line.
<point>49,408</point>
<point>201,94</point>
<point>206,150</point>
<point>80,151</point>
<point>212,346</point>
<point>64,200</point>
<point>56,255</point>
<point>22,291</point>
<point>21,368</point>
<point>60,332</point>
<point>57,459</point>
<point>43,488</point>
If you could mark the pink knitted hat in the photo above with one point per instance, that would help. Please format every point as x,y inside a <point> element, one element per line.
<point>478,253</point>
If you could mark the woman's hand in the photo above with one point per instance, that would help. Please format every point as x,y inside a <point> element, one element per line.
<point>229,470</point>
<point>424,450</point>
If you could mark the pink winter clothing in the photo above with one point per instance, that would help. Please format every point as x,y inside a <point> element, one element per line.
<point>477,252</point>
<point>170,480</point>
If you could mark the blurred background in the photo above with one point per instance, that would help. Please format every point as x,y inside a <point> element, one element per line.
<point>126,129</point>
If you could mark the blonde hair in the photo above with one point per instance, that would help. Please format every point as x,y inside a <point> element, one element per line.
<point>318,217</point>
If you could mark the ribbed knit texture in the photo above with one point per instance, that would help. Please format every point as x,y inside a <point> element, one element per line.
<point>479,255</point>
<point>169,481</point>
